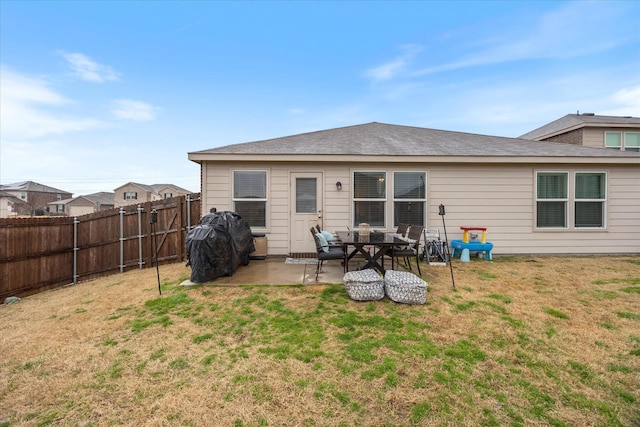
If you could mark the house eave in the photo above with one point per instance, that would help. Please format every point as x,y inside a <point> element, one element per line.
<point>332,158</point>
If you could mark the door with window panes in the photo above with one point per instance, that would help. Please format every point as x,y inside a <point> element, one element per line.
<point>306,210</point>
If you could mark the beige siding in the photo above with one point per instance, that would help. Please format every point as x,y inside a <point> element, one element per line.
<point>593,137</point>
<point>499,197</point>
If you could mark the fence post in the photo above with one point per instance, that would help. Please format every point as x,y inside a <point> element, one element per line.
<point>188,213</point>
<point>121,240</point>
<point>140,260</point>
<point>76,221</point>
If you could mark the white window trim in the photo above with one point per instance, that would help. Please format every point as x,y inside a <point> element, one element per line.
<point>566,201</point>
<point>394,200</point>
<point>570,201</point>
<point>265,199</point>
<point>385,200</point>
<point>621,140</point>
<point>604,201</point>
<point>624,141</point>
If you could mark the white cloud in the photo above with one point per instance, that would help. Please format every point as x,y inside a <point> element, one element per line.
<point>87,69</point>
<point>395,67</point>
<point>24,114</point>
<point>137,111</point>
<point>626,102</point>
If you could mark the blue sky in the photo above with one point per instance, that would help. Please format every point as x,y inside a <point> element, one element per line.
<point>96,94</point>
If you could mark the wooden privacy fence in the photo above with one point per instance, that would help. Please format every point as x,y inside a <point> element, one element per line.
<point>37,254</point>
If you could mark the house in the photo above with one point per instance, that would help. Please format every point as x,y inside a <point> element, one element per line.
<point>8,204</point>
<point>591,130</point>
<point>83,205</point>
<point>35,196</point>
<point>133,193</point>
<point>533,197</point>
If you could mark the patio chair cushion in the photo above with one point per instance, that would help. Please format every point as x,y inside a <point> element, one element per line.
<point>365,285</point>
<point>324,245</point>
<point>327,235</point>
<point>405,287</point>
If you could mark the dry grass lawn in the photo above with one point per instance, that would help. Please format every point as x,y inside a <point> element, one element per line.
<point>521,341</point>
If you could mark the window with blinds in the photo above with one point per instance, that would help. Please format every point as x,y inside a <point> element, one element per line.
<point>250,197</point>
<point>553,197</point>
<point>590,200</point>
<point>632,141</point>
<point>369,198</point>
<point>409,198</point>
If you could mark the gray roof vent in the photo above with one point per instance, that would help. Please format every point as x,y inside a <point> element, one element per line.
<point>588,114</point>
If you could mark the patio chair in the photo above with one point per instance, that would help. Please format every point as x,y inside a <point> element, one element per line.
<point>326,251</point>
<point>411,251</point>
<point>402,229</point>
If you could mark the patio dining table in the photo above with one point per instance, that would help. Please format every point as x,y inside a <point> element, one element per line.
<point>379,241</point>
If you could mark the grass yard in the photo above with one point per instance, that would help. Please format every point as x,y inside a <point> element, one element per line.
<point>522,341</point>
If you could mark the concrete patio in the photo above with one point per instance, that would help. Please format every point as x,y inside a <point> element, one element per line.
<point>276,271</point>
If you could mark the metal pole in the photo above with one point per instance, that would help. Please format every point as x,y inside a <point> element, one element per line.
<point>446,242</point>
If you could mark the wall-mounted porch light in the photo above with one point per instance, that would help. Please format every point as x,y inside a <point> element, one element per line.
<point>339,186</point>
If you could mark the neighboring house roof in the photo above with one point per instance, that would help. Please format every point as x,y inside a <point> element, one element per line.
<point>102,198</point>
<point>10,197</point>
<point>30,186</point>
<point>387,140</point>
<point>576,121</point>
<point>155,188</point>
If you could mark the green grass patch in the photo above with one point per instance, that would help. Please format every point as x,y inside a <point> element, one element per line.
<point>627,315</point>
<point>631,290</point>
<point>556,313</point>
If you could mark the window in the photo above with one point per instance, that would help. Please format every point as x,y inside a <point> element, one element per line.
<point>130,195</point>
<point>613,140</point>
<point>551,200</point>
<point>250,197</point>
<point>632,141</point>
<point>553,195</point>
<point>629,141</point>
<point>369,198</point>
<point>590,200</point>
<point>409,198</point>
<point>306,195</point>
<point>168,195</point>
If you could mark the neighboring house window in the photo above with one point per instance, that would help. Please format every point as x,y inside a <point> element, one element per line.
<point>628,141</point>
<point>613,140</point>
<point>590,200</point>
<point>369,198</point>
<point>60,208</point>
<point>632,141</point>
<point>250,197</point>
<point>130,195</point>
<point>168,195</point>
<point>23,196</point>
<point>409,197</point>
<point>553,195</point>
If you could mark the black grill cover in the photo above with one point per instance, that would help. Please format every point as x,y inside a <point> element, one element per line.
<point>218,245</point>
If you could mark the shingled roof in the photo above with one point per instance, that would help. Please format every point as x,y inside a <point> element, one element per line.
<point>575,121</point>
<point>379,139</point>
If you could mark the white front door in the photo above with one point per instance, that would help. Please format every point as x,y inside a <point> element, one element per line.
<point>306,209</point>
